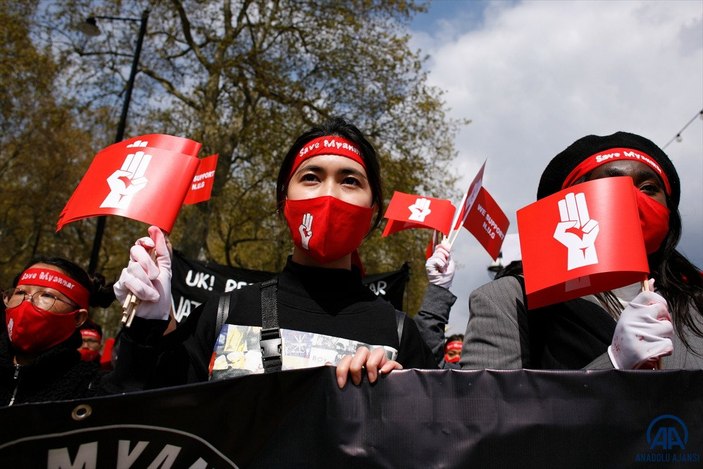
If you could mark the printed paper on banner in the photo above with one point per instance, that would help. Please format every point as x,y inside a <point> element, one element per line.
<point>581,240</point>
<point>413,211</point>
<point>487,222</point>
<point>237,351</point>
<point>201,187</point>
<point>142,183</point>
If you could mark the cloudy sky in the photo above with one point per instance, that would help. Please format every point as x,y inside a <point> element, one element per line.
<point>533,76</point>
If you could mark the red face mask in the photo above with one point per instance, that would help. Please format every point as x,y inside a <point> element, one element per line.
<point>325,227</point>
<point>654,218</point>
<point>33,330</point>
<point>88,355</point>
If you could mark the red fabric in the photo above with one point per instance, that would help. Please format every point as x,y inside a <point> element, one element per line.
<point>106,357</point>
<point>58,281</point>
<point>488,223</point>
<point>327,145</point>
<point>201,187</point>
<point>92,333</point>
<point>454,345</point>
<point>437,215</point>
<point>327,228</point>
<point>32,330</point>
<point>614,154</point>
<point>619,245</point>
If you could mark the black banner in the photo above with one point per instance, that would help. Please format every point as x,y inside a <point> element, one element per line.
<point>194,282</point>
<point>410,418</point>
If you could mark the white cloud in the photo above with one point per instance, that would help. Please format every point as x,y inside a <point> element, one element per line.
<point>535,76</point>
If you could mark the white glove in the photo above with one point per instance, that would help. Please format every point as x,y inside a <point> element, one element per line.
<point>440,266</point>
<point>643,332</point>
<point>148,280</point>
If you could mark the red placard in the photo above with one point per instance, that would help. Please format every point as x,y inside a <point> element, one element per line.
<point>487,222</point>
<point>582,240</point>
<point>414,211</point>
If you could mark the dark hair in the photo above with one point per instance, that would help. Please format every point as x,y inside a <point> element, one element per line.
<point>89,324</point>
<point>512,269</point>
<point>678,279</point>
<point>339,127</point>
<point>101,294</point>
<point>453,338</point>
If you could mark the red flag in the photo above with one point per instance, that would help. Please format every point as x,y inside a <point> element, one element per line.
<point>135,181</point>
<point>415,211</point>
<point>201,187</point>
<point>582,240</point>
<point>487,222</point>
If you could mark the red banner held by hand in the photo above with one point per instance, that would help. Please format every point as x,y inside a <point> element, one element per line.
<point>582,240</point>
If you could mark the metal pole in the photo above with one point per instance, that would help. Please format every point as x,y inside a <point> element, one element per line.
<point>100,227</point>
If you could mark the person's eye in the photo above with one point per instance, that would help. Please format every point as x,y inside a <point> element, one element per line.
<point>351,181</point>
<point>650,188</point>
<point>20,292</point>
<point>309,177</point>
<point>48,296</point>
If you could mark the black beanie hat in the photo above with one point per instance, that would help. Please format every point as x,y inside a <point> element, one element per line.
<point>561,165</point>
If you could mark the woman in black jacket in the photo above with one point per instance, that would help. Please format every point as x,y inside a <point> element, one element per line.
<point>39,358</point>
<point>329,191</point>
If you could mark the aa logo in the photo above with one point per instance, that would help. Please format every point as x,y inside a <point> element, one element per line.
<point>667,432</point>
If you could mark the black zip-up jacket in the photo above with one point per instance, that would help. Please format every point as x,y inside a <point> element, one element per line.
<point>57,374</point>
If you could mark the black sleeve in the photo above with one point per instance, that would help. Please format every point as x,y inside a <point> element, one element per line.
<point>185,356</point>
<point>414,352</point>
<point>433,317</point>
<point>138,348</point>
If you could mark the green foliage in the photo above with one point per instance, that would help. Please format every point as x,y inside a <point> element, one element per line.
<point>245,78</point>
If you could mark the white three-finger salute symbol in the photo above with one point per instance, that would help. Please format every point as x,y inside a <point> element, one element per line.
<point>127,181</point>
<point>577,231</point>
<point>419,210</point>
<point>305,230</point>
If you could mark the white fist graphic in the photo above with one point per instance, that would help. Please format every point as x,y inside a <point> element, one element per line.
<point>127,181</point>
<point>577,231</point>
<point>420,209</point>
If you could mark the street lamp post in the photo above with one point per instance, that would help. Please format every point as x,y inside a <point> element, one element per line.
<point>90,27</point>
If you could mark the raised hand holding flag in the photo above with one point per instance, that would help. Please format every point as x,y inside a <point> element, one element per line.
<point>146,178</point>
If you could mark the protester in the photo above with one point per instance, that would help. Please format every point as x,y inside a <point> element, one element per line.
<point>92,335</point>
<point>433,317</point>
<point>328,190</point>
<point>626,328</point>
<point>452,348</point>
<point>39,358</point>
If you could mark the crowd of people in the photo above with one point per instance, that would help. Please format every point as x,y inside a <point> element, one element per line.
<point>329,192</point>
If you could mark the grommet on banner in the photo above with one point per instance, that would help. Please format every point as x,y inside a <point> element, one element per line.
<point>81,412</point>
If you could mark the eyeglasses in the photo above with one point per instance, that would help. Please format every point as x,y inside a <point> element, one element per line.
<point>41,299</point>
